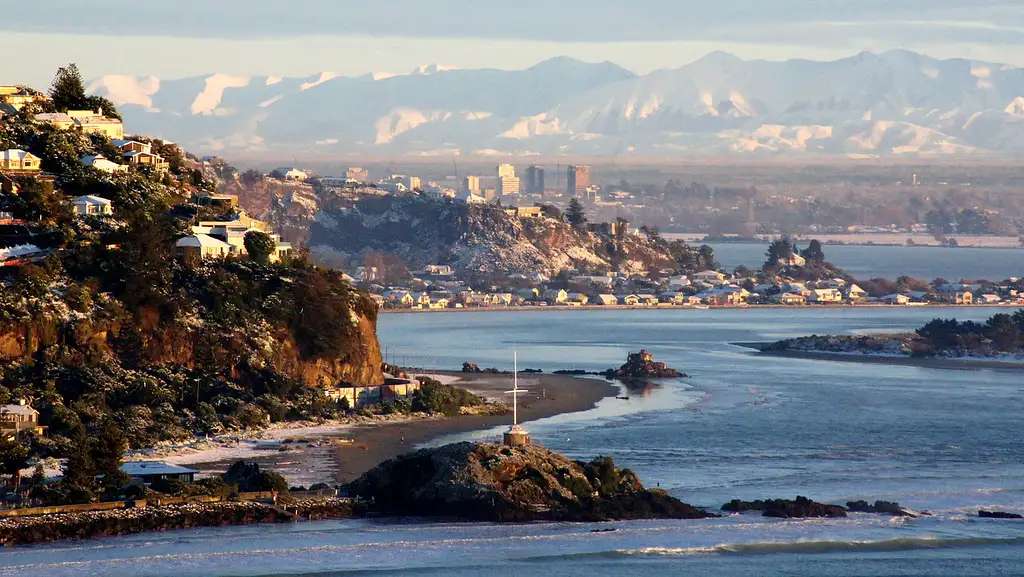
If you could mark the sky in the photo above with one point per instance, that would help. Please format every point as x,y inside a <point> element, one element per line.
<point>173,39</point>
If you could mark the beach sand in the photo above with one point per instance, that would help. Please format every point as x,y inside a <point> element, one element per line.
<point>337,454</point>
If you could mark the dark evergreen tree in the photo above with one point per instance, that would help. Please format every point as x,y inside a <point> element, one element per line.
<point>575,213</point>
<point>108,449</point>
<point>68,90</point>
<point>814,254</point>
<point>260,246</point>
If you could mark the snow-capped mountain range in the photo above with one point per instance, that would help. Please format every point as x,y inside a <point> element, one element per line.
<point>895,103</point>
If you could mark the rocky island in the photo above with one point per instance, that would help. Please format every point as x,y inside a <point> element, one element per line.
<point>490,482</point>
<point>642,366</point>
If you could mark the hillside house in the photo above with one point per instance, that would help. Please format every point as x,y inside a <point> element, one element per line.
<point>100,162</point>
<point>678,281</point>
<point>127,146</point>
<point>90,205</point>
<point>98,124</point>
<point>202,246</point>
<point>292,174</point>
<point>233,232</point>
<point>17,97</point>
<point>710,276</point>
<point>792,260</point>
<point>17,418</point>
<point>146,472</point>
<point>58,120</point>
<point>155,161</point>
<point>19,161</point>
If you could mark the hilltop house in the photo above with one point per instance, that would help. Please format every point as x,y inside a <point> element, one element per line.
<point>17,97</point>
<point>92,206</point>
<point>99,162</point>
<point>292,173</point>
<point>233,232</point>
<point>202,246</point>
<point>19,161</point>
<point>18,417</point>
<point>793,260</point>
<point>58,120</point>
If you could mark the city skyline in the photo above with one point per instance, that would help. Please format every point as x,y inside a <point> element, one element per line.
<point>351,38</point>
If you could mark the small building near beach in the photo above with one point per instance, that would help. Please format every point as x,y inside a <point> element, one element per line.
<point>149,471</point>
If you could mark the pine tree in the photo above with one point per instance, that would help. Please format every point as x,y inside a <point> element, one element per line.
<point>814,254</point>
<point>79,470</point>
<point>108,454</point>
<point>68,89</point>
<point>575,214</point>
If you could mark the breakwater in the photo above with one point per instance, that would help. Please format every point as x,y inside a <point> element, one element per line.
<point>125,521</point>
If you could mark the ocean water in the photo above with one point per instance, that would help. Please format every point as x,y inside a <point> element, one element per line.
<point>743,426</point>
<point>924,262</point>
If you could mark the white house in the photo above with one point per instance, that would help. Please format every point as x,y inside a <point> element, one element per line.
<point>292,173</point>
<point>826,296</point>
<point>895,299</point>
<point>678,281</point>
<point>203,246</point>
<point>99,162</point>
<point>470,198</point>
<point>711,276</point>
<point>90,205</point>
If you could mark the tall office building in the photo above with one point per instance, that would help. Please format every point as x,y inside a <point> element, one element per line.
<point>356,173</point>
<point>535,180</point>
<point>471,184</point>
<point>579,179</point>
<point>508,185</point>
<point>506,171</point>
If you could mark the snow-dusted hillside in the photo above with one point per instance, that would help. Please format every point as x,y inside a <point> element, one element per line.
<point>877,104</point>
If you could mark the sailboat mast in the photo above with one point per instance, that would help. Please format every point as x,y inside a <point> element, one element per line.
<point>515,387</point>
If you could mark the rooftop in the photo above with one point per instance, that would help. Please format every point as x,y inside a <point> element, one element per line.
<point>139,468</point>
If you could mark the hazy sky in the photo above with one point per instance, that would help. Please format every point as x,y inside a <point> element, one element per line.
<point>301,37</point>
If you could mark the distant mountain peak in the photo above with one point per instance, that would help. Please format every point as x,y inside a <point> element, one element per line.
<point>427,69</point>
<point>896,102</point>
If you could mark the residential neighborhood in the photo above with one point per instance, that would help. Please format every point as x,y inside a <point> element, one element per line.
<point>431,291</point>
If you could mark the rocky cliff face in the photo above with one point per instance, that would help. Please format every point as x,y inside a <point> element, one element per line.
<point>473,239</point>
<point>488,482</point>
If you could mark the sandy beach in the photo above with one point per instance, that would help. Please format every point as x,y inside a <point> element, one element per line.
<point>924,362</point>
<point>339,452</point>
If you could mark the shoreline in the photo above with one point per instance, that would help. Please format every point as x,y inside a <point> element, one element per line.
<point>339,453</point>
<point>668,307</point>
<point>922,362</point>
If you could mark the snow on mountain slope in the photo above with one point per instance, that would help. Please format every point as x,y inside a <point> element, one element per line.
<point>897,102</point>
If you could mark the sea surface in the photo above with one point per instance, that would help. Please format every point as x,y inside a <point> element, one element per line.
<point>867,262</point>
<point>742,426</point>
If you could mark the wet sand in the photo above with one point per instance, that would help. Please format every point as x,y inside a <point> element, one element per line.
<point>341,455</point>
<point>924,362</point>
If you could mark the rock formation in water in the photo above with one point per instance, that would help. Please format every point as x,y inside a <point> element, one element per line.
<point>642,366</point>
<point>999,515</point>
<point>489,482</point>
<point>798,508</point>
<point>881,507</point>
